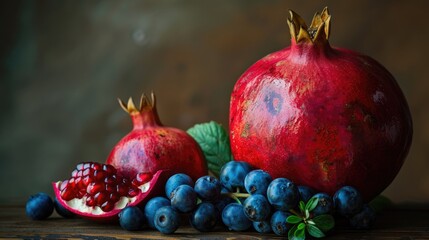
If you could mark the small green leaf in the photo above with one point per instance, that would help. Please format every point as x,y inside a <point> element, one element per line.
<point>324,222</point>
<point>293,219</point>
<point>302,206</point>
<point>307,214</point>
<point>300,231</point>
<point>311,204</point>
<point>315,231</point>
<point>291,232</point>
<point>214,143</point>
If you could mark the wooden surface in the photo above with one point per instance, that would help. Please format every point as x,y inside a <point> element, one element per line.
<point>391,224</point>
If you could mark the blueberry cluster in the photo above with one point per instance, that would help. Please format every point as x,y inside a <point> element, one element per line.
<point>243,198</point>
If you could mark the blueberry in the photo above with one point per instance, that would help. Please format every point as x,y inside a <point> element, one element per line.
<point>234,218</point>
<point>183,198</point>
<point>204,217</point>
<point>232,174</point>
<point>39,206</point>
<point>62,210</point>
<point>325,205</point>
<point>263,226</point>
<point>305,193</point>
<point>151,207</point>
<point>167,220</point>
<point>223,202</point>
<point>283,194</point>
<point>348,201</point>
<point>364,219</point>
<point>176,180</point>
<point>257,181</point>
<point>279,224</point>
<point>256,207</point>
<point>131,218</point>
<point>208,188</point>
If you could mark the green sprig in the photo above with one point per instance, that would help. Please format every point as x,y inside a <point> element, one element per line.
<point>303,221</point>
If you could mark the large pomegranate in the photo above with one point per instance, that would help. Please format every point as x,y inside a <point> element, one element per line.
<point>319,115</point>
<point>136,169</point>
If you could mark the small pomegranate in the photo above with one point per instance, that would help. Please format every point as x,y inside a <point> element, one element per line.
<point>97,191</point>
<point>321,116</point>
<point>150,146</point>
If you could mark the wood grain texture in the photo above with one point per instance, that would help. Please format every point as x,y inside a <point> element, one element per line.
<point>391,224</point>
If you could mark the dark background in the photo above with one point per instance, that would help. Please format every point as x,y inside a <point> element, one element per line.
<point>64,63</point>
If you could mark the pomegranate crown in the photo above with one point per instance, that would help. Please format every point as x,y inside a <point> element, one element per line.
<point>145,104</point>
<point>318,30</point>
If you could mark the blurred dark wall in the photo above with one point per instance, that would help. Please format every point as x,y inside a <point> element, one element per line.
<point>64,63</point>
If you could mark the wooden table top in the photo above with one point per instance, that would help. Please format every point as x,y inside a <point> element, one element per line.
<point>391,224</point>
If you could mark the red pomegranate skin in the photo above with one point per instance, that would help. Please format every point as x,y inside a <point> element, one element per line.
<point>150,146</point>
<point>321,116</point>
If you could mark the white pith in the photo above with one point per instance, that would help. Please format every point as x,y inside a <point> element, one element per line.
<point>80,203</point>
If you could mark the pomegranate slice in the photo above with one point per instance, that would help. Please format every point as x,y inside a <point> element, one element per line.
<point>96,191</point>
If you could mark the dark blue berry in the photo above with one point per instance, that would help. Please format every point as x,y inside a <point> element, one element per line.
<point>183,198</point>
<point>348,201</point>
<point>263,226</point>
<point>279,224</point>
<point>167,220</point>
<point>305,193</point>
<point>257,181</point>
<point>39,206</point>
<point>325,204</point>
<point>208,188</point>
<point>232,174</point>
<point>62,210</point>
<point>131,218</point>
<point>256,207</point>
<point>152,206</point>
<point>204,217</point>
<point>234,218</point>
<point>364,219</point>
<point>283,194</point>
<point>176,180</point>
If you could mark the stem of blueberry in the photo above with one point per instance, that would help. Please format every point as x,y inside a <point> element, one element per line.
<point>236,195</point>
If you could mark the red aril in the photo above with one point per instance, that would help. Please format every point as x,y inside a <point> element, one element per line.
<point>97,191</point>
<point>321,116</point>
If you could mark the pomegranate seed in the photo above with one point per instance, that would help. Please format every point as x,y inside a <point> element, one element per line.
<point>94,188</point>
<point>79,173</point>
<point>133,191</point>
<point>110,179</point>
<point>67,194</point>
<point>114,197</point>
<point>74,173</point>
<point>125,181</point>
<point>90,201</point>
<point>86,180</point>
<point>88,172</point>
<point>109,169</point>
<point>96,166</point>
<point>122,189</point>
<point>99,175</point>
<point>79,166</point>
<point>100,197</point>
<point>64,185</point>
<point>80,193</point>
<point>143,177</point>
<point>135,182</point>
<point>107,206</point>
<point>110,188</point>
<point>87,165</point>
<point>71,183</point>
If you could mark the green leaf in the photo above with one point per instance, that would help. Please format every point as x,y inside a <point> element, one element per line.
<point>300,231</point>
<point>214,143</point>
<point>311,204</point>
<point>302,206</point>
<point>315,231</point>
<point>324,222</point>
<point>293,219</point>
<point>291,232</point>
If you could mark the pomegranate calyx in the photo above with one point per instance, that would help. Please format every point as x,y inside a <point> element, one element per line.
<point>318,31</point>
<point>145,115</point>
